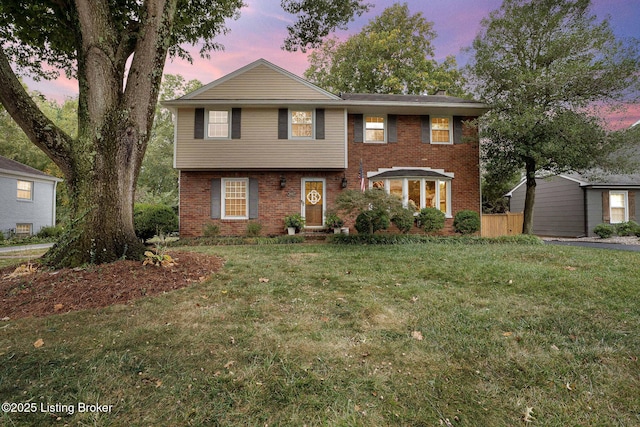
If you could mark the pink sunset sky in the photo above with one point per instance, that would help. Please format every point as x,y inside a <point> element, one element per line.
<point>261,29</point>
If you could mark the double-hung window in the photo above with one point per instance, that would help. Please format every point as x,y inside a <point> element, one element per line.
<point>374,129</point>
<point>235,200</point>
<point>218,124</point>
<point>618,202</point>
<point>301,123</point>
<point>25,190</point>
<point>441,130</point>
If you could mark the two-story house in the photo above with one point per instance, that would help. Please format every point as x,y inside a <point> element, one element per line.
<point>27,198</point>
<point>262,143</point>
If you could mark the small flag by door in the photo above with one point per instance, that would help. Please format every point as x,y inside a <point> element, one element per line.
<point>361,177</point>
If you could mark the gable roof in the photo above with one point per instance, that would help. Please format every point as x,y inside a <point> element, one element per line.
<point>260,80</point>
<point>12,167</point>
<point>262,83</point>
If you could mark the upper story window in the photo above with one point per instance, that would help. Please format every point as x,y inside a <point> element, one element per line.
<point>25,190</point>
<point>441,130</point>
<point>374,129</point>
<point>301,124</point>
<point>218,124</point>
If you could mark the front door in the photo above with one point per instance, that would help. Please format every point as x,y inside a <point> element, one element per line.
<point>313,202</point>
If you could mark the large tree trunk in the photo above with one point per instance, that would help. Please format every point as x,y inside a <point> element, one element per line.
<point>102,209</point>
<point>102,163</point>
<point>530,197</point>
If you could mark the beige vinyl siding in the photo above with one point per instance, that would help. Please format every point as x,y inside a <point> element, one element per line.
<point>261,82</point>
<point>259,147</point>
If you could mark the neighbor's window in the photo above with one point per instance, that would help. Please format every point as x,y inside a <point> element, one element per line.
<point>234,201</point>
<point>441,130</point>
<point>218,126</point>
<point>23,229</point>
<point>301,124</point>
<point>374,129</point>
<point>25,190</point>
<point>618,206</point>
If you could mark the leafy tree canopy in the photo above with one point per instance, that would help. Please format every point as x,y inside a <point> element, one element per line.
<point>392,54</point>
<point>542,65</point>
<point>116,49</point>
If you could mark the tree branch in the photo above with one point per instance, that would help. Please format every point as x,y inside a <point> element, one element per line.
<point>38,128</point>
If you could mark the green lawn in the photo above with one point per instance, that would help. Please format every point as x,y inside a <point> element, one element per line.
<point>324,335</point>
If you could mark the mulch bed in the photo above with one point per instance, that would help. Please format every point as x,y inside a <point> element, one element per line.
<point>46,292</point>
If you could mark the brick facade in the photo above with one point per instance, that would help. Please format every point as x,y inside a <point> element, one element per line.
<point>274,202</point>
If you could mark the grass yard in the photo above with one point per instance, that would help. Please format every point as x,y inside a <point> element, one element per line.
<point>326,335</point>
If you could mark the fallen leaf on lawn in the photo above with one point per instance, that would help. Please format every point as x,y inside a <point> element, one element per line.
<point>158,383</point>
<point>57,307</point>
<point>511,282</point>
<point>224,291</point>
<point>570,268</point>
<point>554,347</point>
<point>324,319</point>
<point>417,335</point>
<point>570,386</point>
<point>507,334</point>
<point>229,364</point>
<point>263,280</point>
<point>5,319</point>
<point>528,415</point>
<point>414,299</point>
<point>38,343</point>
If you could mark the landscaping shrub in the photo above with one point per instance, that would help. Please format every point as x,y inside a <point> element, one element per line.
<point>604,230</point>
<point>431,219</point>
<point>466,222</point>
<point>400,239</point>
<point>211,230</point>
<point>254,229</point>
<point>151,220</point>
<point>369,222</point>
<point>630,228</point>
<point>404,220</point>
<point>50,232</point>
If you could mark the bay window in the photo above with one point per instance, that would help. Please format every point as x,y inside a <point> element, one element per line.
<point>419,193</point>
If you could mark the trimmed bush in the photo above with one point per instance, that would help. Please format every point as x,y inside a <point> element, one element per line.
<point>369,222</point>
<point>254,229</point>
<point>151,220</point>
<point>404,220</point>
<point>466,222</point>
<point>431,220</point>
<point>604,230</point>
<point>50,232</point>
<point>402,239</point>
<point>211,230</point>
<point>630,228</point>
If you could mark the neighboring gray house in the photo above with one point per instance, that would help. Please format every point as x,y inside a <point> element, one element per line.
<point>27,198</point>
<point>571,205</point>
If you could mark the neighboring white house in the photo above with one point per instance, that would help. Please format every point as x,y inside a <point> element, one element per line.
<point>27,198</point>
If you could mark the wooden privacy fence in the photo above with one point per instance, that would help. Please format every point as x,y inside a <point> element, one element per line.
<point>495,225</point>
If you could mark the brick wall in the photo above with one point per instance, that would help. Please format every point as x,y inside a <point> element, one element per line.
<point>275,203</point>
<point>461,159</point>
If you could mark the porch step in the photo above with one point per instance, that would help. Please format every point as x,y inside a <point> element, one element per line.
<point>319,235</point>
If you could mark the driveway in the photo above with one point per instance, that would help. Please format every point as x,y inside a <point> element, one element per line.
<point>598,245</point>
<point>6,249</point>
